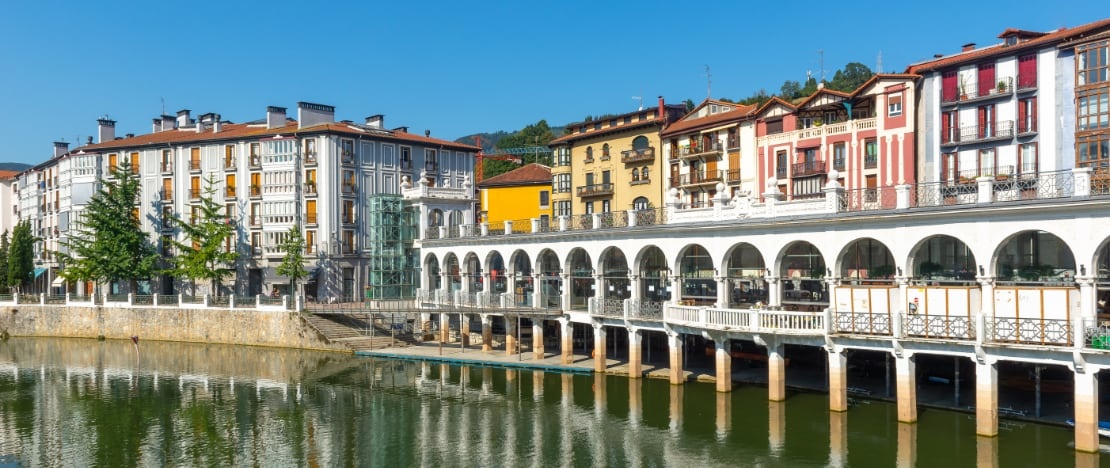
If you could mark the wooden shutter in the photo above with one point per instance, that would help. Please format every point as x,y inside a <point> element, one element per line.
<point>986,78</point>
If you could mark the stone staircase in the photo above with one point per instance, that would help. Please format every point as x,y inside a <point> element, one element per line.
<point>354,332</point>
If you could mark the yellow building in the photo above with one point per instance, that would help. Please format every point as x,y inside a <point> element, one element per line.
<point>520,194</point>
<point>611,163</point>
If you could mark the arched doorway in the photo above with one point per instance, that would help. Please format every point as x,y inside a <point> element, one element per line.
<point>473,272</point>
<point>581,278</point>
<point>943,296</point>
<point>1035,257</point>
<point>801,273</point>
<point>432,279</point>
<point>614,276</point>
<point>867,296</point>
<point>522,279</point>
<point>745,273</point>
<point>869,262</point>
<point>697,273</point>
<point>498,281</point>
<point>943,260</point>
<point>1035,294</point>
<point>551,279</point>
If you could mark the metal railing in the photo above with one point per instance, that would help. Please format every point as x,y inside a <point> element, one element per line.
<point>613,219</point>
<point>938,327</point>
<point>808,168</point>
<point>651,216</point>
<point>863,323</point>
<point>645,310</point>
<point>638,155</point>
<point>866,199</point>
<point>700,177</point>
<point>1035,331</point>
<point>581,222</point>
<point>595,190</point>
<point>1033,186</point>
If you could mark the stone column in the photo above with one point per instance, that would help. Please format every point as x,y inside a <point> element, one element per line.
<point>776,372</point>
<point>637,289</point>
<point>464,329</point>
<point>566,340</point>
<point>600,293</point>
<point>600,360</point>
<point>1088,309</point>
<point>838,381</point>
<point>511,326</point>
<point>424,324</point>
<point>986,399</point>
<point>538,300</point>
<point>676,290</point>
<point>537,339</point>
<point>907,389</point>
<point>635,349</point>
<point>831,284</point>
<point>444,328</point>
<point>722,292</point>
<point>986,285</point>
<point>1086,411</point>
<point>566,291</point>
<point>487,332</point>
<point>774,293</point>
<point>724,364</point>
<point>674,345</point>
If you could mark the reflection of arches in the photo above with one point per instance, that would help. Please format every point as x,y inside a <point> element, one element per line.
<point>431,272</point>
<point>867,258</point>
<point>640,142</point>
<point>653,269</point>
<point>581,277</point>
<point>614,271</point>
<point>697,272</point>
<point>943,258</point>
<point>1034,256</point>
<point>744,269</point>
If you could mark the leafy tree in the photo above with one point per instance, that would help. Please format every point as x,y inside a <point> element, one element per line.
<point>21,261</point>
<point>292,265</point>
<point>690,105</point>
<point>110,244</point>
<point>203,253</point>
<point>537,134</point>
<point>851,77</point>
<point>757,99</point>
<point>790,90</point>
<point>4,246</point>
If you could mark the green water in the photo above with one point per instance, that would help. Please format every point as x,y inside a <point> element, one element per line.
<point>88,403</point>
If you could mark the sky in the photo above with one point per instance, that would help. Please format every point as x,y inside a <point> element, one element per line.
<point>452,67</point>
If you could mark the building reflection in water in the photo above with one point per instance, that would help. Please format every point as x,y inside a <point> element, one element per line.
<point>986,452</point>
<point>635,402</point>
<point>724,415</point>
<point>776,426</point>
<point>676,408</point>
<point>838,438</point>
<point>907,445</point>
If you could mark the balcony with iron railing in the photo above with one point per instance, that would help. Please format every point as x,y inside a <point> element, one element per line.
<point>870,161</point>
<point>230,164</point>
<point>808,168</point>
<point>638,155</point>
<point>347,218</point>
<point>1026,82</point>
<point>256,191</point>
<point>732,176</point>
<point>1001,130</point>
<point>970,91</point>
<point>310,158</point>
<point>839,163</point>
<point>1027,126</point>
<point>347,157</point>
<point>699,178</point>
<point>255,160</point>
<point>167,168</point>
<point>595,190</point>
<point>349,189</point>
<point>310,218</point>
<point>700,151</point>
<point>194,165</point>
<point>167,195</point>
<point>310,189</point>
<point>431,166</point>
<point>229,192</point>
<point>256,221</point>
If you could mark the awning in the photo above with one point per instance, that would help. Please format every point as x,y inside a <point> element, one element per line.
<point>39,272</point>
<point>58,281</point>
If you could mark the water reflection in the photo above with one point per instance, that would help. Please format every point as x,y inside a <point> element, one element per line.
<point>75,402</point>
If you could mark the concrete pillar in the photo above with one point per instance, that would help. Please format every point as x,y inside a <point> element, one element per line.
<point>637,290</point>
<point>1088,309</point>
<point>1086,411</point>
<point>537,339</point>
<point>511,327</point>
<point>635,348</point>
<point>986,399</point>
<point>676,289</point>
<point>423,324</point>
<point>444,328</point>
<point>907,389</point>
<point>722,292</point>
<point>774,295</point>
<point>776,373</point>
<point>464,329</point>
<point>566,291</point>
<point>724,364</point>
<point>838,439</point>
<point>566,340</point>
<point>986,285</point>
<point>838,381</point>
<point>1087,460</point>
<point>907,446</point>
<point>538,300</point>
<point>724,415</point>
<point>487,332</point>
<point>776,425</point>
<point>600,360</point>
<point>674,346</point>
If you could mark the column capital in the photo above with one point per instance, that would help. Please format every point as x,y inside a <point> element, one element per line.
<point>633,276</point>
<point>985,280</point>
<point>771,279</point>
<point>1085,280</point>
<point>902,280</point>
<point>832,280</point>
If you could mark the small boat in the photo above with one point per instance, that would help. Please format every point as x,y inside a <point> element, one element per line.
<point>1103,427</point>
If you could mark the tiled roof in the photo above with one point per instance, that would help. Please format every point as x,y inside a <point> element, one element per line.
<point>683,125</point>
<point>1000,49</point>
<point>231,131</point>
<point>531,174</point>
<point>9,174</point>
<point>619,128</point>
<point>801,102</point>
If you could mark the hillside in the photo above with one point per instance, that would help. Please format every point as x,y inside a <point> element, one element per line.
<point>490,139</point>
<point>13,166</point>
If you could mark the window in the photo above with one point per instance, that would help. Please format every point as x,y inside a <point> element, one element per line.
<point>590,207</point>
<point>167,160</point>
<point>194,187</point>
<point>1093,109</point>
<point>347,150</point>
<point>987,162</point>
<point>134,163</point>
<point>986,122</point>
<point>612,122</point>
<point>229,185</point>
<point>597,125</point>
<point>948,84</point>
<point>406,157</point>
<point>1028,159</point>
<point>562,156</point>
<point>561,183</point>
<point>774,126</point>
<point>635,174</point>
<point>605,177</point>
<point>348,213</point>
<point>950,127</point>
<point>605,150</point>
<point>310,149</point>
<point>950,168</point>
<point>1027,115</point>
<point>113,161</point>
<point>605,206</point>
<point>309,241</point>
<point>545,198</point>
<point>589,154</point>
<point>1027,71</point>
<point>894,105</point>
<point>431,160</point>
<point>839,156</point>
<point>229,156</point>
<point>1091,63</point>
<point>986,79</point>
<point>627,119</point>
<point>780,164</point>
<point>870,153</point>
<point>640,203</point>
<point>1093,150</point>
<point>644,173</point>
<point>256,154</point>
<point>562,208</point>
<point>310,211</point>
<point>194,159</point>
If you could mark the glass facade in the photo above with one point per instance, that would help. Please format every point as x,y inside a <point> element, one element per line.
<point>394,265</point>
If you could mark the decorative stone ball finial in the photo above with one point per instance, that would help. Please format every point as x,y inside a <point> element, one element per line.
<point>406,183</point>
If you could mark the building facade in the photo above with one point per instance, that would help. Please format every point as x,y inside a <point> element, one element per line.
<point>270,174</point>
<point>713,144</point>
<point>523,193</point>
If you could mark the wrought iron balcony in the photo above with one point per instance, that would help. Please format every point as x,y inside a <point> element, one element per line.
<point>701,178</point>
<point>1001,130</point>
<point>230,164</point>
<point>310,189</point>
<point>870,161</point>
<point>310,158</point>
<point>595,190</point>
<point>1027,82</point>
<point>230,192</point>
<point>167,168</point>
<point>1027,125</point>
<point>733,176</point>
<point>194,165</point>
<point>975,92</point>
<point>808,168</point>
<point>640,155</point>
<point>700,151</point>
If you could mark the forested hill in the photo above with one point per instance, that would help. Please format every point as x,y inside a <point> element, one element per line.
<point>13,166</point>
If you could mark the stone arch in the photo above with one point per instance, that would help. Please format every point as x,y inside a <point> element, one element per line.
<point>581,271</point>
<point>942,258</point>
<point>454,272</point>
<point>432,280</point>
<point>652,267</point>
<point>698,274</point>
<point>495,265</point>
<point>1100,270</point>
<point>520,267</point>
<point>614,274</point>
<point>551,278</point>
<point>745,273</point>
<point>801,271</point>
<point>435,217</point>
<point>1033,256</point>
<point>866,259</point>
<point>455,218</point>
<point>472,269</point>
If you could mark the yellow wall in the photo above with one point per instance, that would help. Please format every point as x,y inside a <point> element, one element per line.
<point>624,192</point>
<point>514,202</point>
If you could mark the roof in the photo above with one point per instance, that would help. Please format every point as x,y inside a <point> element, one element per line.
<point>801,102</point>
<point>9,174</point>
<point>619,128</point>
<point>1058,35</point>
<point>232,131</point>
<point>684,125</point>
<point>531,174</point>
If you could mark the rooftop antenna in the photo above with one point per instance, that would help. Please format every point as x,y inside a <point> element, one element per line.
<point>879,63</point>
<point>641,99</point>
<point>708,83</point>
<point>163,105</point>
<point>821,62</point>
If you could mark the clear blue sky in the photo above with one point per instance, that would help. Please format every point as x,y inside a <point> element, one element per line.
<point>448,67</point>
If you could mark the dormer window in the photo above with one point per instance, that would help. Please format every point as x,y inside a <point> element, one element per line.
<point>1011,40</point>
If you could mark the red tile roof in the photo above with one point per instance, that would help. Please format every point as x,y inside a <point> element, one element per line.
<point>532,174</point>
<point>671,109</point>
<point>740,112</point>
<point>232,131</point>
<point>1059,35</point>
<point>9,174</point>
<point>801,102</point>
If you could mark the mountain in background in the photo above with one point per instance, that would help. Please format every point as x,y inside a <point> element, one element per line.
<point>491,139</point>
<point>13,166</point>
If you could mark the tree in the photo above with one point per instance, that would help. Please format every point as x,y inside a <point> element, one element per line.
<point>537,134</point>
<point>853,75</point>
<point>292,265</point>
<point>21,261</point>
<point>204,252</point>
<point>109,243</point>
<point>790,90</point>
<point>4,246</point>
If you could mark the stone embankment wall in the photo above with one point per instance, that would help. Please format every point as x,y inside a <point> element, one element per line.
<point>226,326</point>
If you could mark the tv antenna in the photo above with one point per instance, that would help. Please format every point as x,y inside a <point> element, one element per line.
<point>879,63</point>
<point>641,99</point>
<point>708,83</point>
<point>821,63</point>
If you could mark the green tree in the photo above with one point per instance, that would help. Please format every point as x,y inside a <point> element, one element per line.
<point>292,265</point>
<point>21,261</point>
<point>203,253</point>
<point>790,90</point>
<point>4,246</point>
<point>110,244</point>
<point>537,134</point>
<point>851,77</point>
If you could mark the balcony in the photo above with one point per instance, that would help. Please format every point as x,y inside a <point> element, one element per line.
<point>780,172</point>
<point>636,156</point>
<point>1000,173</point>
<point>701,178</point>
<point>310,189</point>
<point>194,165</point>
<point>732,176</point>
<point>700,151</point>
<point>839,163</point>
<point>808,168</point>
<point>256,221</point>
<point>431,166</point>
<point>194,194</point>
<point>348,157</point>
<point>256,191</point>
<point>595,190</point>
<point>349,189</point>
<point>230,164</point>
<point>829,129</point>
<point>167,168</point>
<point>256,160</point>
<point>310,218</point>
<point>1002,130</point>
<point>970,92</point>
<point>167,224</point>
<point>347,218</point>
<point>870,161</point>
<point>229,192</point>
<point>310,158</point>
<point>1027,82</point>
<point>1028,126</point>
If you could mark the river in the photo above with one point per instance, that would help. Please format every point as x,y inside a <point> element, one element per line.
<point>67,402</point>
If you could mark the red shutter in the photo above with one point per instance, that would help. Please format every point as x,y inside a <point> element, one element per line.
<point>948,86</point>
<point>1027,72</point>
<point>946,127</point>
<point>1033,110</point>
<point>986,78</point>
<point>1021,117</point>
<point>982,121</point>
<point>944,167</point>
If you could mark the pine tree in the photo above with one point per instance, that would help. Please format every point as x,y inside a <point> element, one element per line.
<point>292,265</point>
<point>203,253</point>
<point>21,261</point>
<point>4,246</point>
<point>109,243</point>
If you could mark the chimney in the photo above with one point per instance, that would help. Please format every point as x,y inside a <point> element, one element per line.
<point>311,115</point>
<point>167,122</point>
<point>105,130</point>
<point>89,140</point>
<point>662,114</point>
<point>376,121</point>
<point>968,46</point>
<point>183,118</point>
<point>60,148</point>
<point>129,135</point>
<point>427,133</point>
<point>157,125</point>
<point>401,129</point>
<point>275,117</point>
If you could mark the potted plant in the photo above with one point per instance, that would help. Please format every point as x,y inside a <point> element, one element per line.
<point>1001,86</point>
<point>963,88</point>
<point>255,189</point>
<point>929,269</point>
